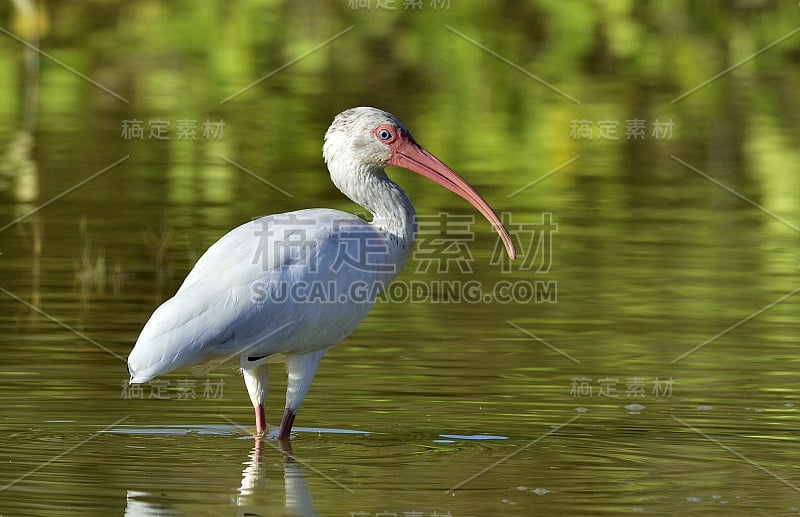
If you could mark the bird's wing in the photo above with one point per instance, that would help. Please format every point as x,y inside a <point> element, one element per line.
<point>231,303</point>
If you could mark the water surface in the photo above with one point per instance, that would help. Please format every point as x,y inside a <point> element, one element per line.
<point>649,367</point>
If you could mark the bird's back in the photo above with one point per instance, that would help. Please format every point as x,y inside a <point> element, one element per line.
<point>292,282</point>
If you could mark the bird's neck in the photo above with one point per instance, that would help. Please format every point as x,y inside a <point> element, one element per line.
<point>392,211</point>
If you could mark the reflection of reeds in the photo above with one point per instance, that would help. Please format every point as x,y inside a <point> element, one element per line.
<point>158,241</point>
<point>18,170</point>
<point>91,271</point>
<point>30,23</point>
<point>35,224</point>
<point>90,268</point>
<point>36,231</point>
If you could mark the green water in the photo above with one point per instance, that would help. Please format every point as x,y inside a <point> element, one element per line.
<point>639,356</point>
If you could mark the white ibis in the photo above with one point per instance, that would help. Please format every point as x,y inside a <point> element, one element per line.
<point>290,286</point>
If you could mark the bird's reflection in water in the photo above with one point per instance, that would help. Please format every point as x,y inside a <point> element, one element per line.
<point>297,498</point>
<point>253,499</point>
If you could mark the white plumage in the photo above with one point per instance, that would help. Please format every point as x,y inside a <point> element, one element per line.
<point>292,285</point>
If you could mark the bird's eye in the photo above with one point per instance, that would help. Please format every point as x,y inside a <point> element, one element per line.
<point>384,134</point>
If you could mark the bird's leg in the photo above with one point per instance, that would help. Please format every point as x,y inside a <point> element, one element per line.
<point>286,424</point>
<point>261,422</point>
<point>301,369</point>
<point>256,381</point>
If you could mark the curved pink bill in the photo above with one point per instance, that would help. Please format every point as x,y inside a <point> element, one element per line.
<point>408,155</point>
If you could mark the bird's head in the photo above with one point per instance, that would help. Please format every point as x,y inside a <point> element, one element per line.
<point>367,135</point>
<point>370,138</point>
